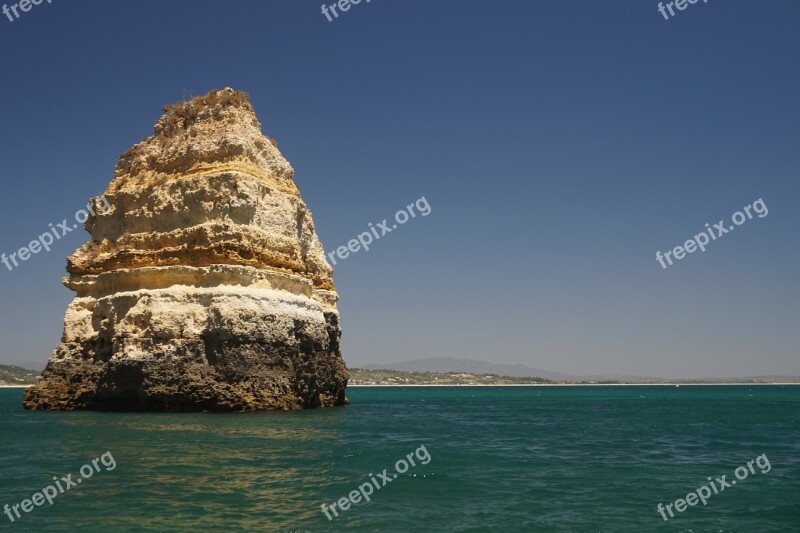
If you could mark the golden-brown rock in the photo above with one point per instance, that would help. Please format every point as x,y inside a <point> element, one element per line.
<point>204,285</point>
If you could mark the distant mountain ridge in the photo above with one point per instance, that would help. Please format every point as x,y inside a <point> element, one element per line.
<point>452,364</point>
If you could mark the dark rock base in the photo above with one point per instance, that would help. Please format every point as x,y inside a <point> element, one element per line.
<point>179,385</point>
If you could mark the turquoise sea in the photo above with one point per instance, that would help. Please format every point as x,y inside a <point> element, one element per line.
<point>498,458</point>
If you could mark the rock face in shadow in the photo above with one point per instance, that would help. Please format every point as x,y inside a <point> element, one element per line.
<point>204,286</point>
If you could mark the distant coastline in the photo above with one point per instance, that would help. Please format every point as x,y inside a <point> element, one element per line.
<point>674,385</point>
<point>14,377</point>
<point>361,377</point>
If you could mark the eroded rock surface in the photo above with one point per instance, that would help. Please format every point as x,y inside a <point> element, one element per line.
<point>204,285</point>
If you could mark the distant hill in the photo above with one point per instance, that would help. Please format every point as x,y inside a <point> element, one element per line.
<point>361,376</point>
<point>15,375</point>
<point>450,364</point>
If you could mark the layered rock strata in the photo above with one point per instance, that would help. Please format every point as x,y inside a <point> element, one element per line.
<point>204,286</point>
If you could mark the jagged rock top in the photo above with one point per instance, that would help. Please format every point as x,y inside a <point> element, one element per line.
<point>219,128</point>
<point>206,188</point>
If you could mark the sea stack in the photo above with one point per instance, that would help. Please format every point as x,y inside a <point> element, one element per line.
<point>204,286</point>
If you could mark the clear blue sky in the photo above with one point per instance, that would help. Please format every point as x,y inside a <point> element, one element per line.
<point>560,145</point>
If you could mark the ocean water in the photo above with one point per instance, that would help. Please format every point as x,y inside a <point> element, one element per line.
<point>498,458</point>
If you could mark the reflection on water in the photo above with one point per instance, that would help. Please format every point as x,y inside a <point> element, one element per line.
<point>535,459</point>
<point>202,469</point>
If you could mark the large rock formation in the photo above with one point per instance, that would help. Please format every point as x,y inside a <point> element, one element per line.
<point>204,285</point>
